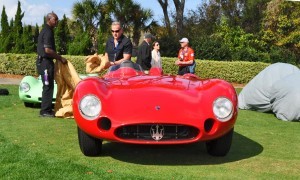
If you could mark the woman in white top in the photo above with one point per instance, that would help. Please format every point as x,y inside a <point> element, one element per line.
<point>156,60</point>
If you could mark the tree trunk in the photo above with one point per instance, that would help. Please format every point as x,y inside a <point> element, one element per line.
<point>179,5</point>
<point>164,5</point>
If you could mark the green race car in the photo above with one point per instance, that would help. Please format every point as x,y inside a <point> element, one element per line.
<point>30,91</point>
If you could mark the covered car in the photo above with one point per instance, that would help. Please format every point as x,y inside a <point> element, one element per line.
<point>275,89</point>
<point>127,106</point>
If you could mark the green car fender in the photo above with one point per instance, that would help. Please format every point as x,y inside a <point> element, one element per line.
<point>30,91</point>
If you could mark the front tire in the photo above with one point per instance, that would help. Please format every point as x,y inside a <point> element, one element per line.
<point>89,145</point>
<point>27,104</point>
<point>220,146</point>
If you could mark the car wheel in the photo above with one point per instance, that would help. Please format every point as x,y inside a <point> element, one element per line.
<point>89,145</point>
<point>220,146</point>
<point>27,104</point>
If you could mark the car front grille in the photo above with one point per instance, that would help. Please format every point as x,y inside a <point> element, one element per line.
<point>157,132</point>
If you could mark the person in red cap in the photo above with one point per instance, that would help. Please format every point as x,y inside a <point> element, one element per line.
<point>186,58</point>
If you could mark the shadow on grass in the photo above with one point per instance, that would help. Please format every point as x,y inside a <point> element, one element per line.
<point>190,154</point>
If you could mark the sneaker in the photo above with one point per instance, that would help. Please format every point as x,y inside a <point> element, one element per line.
<point>47,115</point>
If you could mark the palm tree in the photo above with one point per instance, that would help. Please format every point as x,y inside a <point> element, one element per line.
<point>132,16</point>
<point>87,14</point>
<point>142,21</point>
<point>122,11</point>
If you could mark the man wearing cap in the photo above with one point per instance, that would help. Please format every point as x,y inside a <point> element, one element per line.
<point>186,58</point>
<point>144,53</point>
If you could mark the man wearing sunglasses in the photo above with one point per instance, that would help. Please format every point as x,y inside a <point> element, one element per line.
<point>118,48</point>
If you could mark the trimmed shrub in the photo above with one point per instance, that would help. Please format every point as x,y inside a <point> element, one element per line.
<point>236,71</point>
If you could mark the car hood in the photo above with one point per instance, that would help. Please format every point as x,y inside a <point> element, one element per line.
<point>152,98</point>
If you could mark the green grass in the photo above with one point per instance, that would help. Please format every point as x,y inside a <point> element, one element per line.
<point>36,148</point>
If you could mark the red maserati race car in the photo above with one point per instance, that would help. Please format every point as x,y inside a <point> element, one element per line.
<point>128,106</point>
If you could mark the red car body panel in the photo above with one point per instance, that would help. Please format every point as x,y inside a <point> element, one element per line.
<point>129,97</point>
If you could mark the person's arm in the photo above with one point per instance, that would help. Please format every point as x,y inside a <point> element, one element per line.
<point>179,59</point>
<point>190,59</point>
<point>125,57</point>
<point>48,47</point>
<point>186,63</point>
<point>127,51</point>
<point>51,53</point>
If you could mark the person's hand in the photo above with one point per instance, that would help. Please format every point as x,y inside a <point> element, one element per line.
<point>112,63</point>
<point>177,62</point>
<point>63,60</point>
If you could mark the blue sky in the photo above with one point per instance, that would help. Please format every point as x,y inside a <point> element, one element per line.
<point>36,9</point>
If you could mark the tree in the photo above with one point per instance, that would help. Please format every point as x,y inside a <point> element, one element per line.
<point>232,11</point>
<point>122,11</point>
<point>5,35</point>
<point>62,36</point>
<point>132,22</point>
<point>281,25</point>
<point>18,30</point>
<point>141,22</point>
<point>179,5</point>
<point>36,35</point>
<point>164,5</point>
<point>28,40</point>
<point>80,45</point>
<point>4,23</point>
<point>204,20</point>
<point>252,15</point>
<point>87,14</point>
<point>80,41</point>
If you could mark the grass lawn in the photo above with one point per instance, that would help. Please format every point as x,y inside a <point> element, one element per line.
<point>38,148</point>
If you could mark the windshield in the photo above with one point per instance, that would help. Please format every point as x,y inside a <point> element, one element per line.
<point>126,64</point>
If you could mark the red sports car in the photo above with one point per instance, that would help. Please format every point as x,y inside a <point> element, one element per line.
<point>128,106</point>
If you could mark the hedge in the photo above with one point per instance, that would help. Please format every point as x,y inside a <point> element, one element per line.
<point>235,72</point>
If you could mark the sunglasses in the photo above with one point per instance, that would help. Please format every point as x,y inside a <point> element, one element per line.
<point>156,44</point>
<point>116,31</point>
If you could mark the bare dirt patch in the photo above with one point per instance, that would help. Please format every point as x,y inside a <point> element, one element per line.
<point>236,85</point>
<point>12,76</point>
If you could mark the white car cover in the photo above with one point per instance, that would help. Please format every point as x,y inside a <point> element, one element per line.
<point>285,98</point>
<point>261,92</point>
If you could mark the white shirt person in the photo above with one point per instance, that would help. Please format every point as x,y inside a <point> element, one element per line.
<point>156,59</point>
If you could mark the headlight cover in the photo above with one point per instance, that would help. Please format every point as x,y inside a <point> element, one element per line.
<point>24,87</point>
<point>223,109</point>
<point>90,106</point>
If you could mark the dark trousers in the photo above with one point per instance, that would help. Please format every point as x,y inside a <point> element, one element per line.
<point>47,94</point>
<point>183,70</point>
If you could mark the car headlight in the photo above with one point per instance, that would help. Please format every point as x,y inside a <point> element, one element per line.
<point>90,106</point>
<point>24,87</point>
<point>223,109</point>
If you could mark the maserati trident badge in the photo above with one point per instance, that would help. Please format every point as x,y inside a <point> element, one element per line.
<point>157,132</point>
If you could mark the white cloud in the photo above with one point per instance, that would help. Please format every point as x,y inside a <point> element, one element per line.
<point>35,10</point>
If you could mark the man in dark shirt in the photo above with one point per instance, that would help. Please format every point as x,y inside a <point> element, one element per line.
<point>46,53</point>
<point>118,48</point>
<point>144,53</point>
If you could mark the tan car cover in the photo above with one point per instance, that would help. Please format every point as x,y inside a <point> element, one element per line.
<point>67,78</point>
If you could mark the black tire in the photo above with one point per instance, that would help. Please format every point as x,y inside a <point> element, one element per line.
<point>4,92</point>
<point>220,146</point>
<point>89,145</point>
<point>27,104</point>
